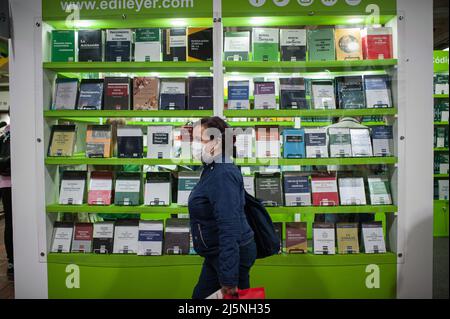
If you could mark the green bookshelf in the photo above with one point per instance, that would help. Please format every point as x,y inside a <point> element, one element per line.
<point>441,149</point>
<point>82,160</point>
<point>441,96</point>
<point>440,123</point>
<point>441,175</point>
<point>127,114</point>
<point>310,113</point>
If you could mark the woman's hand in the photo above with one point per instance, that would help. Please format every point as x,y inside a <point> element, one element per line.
<point>230,291</point>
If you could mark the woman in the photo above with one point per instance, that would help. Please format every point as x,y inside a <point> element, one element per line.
<point>220,232</point>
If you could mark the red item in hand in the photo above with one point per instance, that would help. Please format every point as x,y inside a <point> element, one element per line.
<point>252,293</point>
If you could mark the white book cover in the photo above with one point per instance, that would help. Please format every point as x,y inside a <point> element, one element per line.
<point>443,168</point>
<point>378,95</point>
<point>441,89</point>
<point>340,142</point>
<point>323,96</point>
<point>185,186</point>
<point>100,184</point>
<point>292,37</point>
<point>173,87</point>
<point>383,147</point>
<point>244,145</point>
<point>443,189</point>
<point>235,43</point>
<point>62,239</point>
<point>157,194</point>
<point>125,239</point>
<point>150,238</point>
<point>265,97</point>
<point>316,141</point>
<point>373,239</point>
<point>267,149</point>
<point>65,95</point>
<point>352,192</point>
<point>379,191</point>
<point>266,35</point>
<point>159,142</point>
<point>361,143</point>
<point>128,186</point>
<point>444,116</point>
<point>249,184</point>
<point>103,230</point>
<point>324,241</point>
<point>72,191</point>
<point>147,51</point>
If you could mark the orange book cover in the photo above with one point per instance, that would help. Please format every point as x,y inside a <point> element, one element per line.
<point>348,44</point>
<point>98,141</point>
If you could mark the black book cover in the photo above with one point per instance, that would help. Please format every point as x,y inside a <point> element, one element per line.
<point>200,47</point>
<point>268,188</point>
<point>177,242</point>
<point>293,93</point>
<point>118,46</point>
<point>117,93</point>
<point>350,92</point>
<point>130,143</point>
<point>174,44</point>
<point>103,240</point>
<point>90,45</point>
<point>200,92</point>
<point>173,94</point>
<point>90,96</point>
<point>293,45</point>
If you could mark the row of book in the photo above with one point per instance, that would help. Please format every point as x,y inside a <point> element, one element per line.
<point>441,136</point>
<point>151,238</point>
<point>441,107</point>
<point>273,189</point>
<point>196,44</point>
<point>264,141</point>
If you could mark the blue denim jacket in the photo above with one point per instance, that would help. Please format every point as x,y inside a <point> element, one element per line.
<point>218,222</point>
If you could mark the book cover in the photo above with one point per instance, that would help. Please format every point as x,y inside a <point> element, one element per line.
<point>62,237</point>
<point>145,93</point>
<point>441,110</point>
<point>340,142</point>
<point>174,43</point>
<point>278,226</point>
<point>176,241</point>
<point>73,185</point>
<point>321,45</point>
<point>379,190</point>
<point>99,141</point>
<point>66,92</point>
<point>82,238</point>
<point>173,94</point>
<point>159,142</point>
<point>348,44</point>
<point>127,189</point>
<point>126,237</point>
<point>130,142</point>
<point>158,189</point>
<point>244,142</point>
<point>383,140</point>
<point>100,188</point>
<point>90,46</point>
<point>361,142</point>
<point>294,143</point>
<point>297,191</point>
<point>324,239</point>
<point>347,238</point>
<point>265,98</point>
<point>200,44</point>
<point>296,238</point>
<point>63,46</point>
<point>267,141</point>
<point>352,192</point>
<point>268,188</point>
<point>316,142</point>
<point>118,45</point>
<point>441,84</point>
<point>117,93</point>
<point>441,163</point>
<point>239,95</point>
<point>103,239</point>
<point>265,44</point>
<point>373,238</point>
<point>441,137</point>
<point>443,189</point>
<point>91,94</point>
<point>237,46</point>
<point>378,91</point>
<point>350,92</point>
<point>324,191</point>
<point>147,47</point>
<point>377,43</point>
<point>293,94</point>
<point>249,184</point>
<point>62,140</point>
<point>150,238</point>
<point>293,44</point>
<point>186,183</point>
<point>323,96</point>
<point>200,93</point>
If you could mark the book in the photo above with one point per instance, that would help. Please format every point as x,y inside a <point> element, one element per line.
<point>127,189</point>
<point>265,98</point>
<point>296,238</point>
<point>293,94</point>
<point>118,45</point>
<point>378,91</point>
<point>91,94</point>
<point>297,191</point>
<point>441,163</point>
<point>200,44</point>
<point>324,190</point>
<point>350,92</point>
<point>316,142</point>
<point>82,238</point>
<point>117,93</point>
<point>186,182</point>
<point>130,142</point>
<point>173,94</point>
<point>379,190</point>
<point>441,83</point>
<point>145,93</point>
<point>373,238</point>
<point>324,239</point>
<point>73,185</point>
<point>176,241</point>
<point>90,45</point>
<point>239,95</point>
<point>159,142</point>
<point>293,44</point>
<point>183,139</point>
<point>126,237</point>
<point>340,142</point>
<point>237,46</point>
<point>100,188</point>
<point>103,238</point>
<point>321,45</point>
<point>268,188</point>
<point>377,43</point>
<point>63,46</point>
<point>441,110</point>
<point>265,44</point>
<point>200,93</point>
<point>244,142</point>
<point>348,44</point>
<point>278,226</point>
<point>361,142</point>
<point>62,140</point>
<point>66,92</point>
<point>294,143</point>
<point>62,237</point>
<point>147,46</point>
<point>249,184</point>
<point>174,43</point>
<point>98,141</point>
<point>351,191</point>
<point>158,189</point>
<point>441,137</point>
<point>347,238</point>
<point>383,140</point>
<point>443,189</point>
<point>267,141</point>
<point>323,97</point>
<point>150,238</point>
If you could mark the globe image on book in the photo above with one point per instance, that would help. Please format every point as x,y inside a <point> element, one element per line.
<point>349,44</point>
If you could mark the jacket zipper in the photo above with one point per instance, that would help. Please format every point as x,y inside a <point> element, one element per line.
<point>201,235</point>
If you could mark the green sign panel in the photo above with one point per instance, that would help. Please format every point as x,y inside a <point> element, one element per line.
<point>440,61</point>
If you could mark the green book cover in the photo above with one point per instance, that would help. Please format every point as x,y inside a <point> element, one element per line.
<point>237,46</point>
<point>148,35</point>
<point>63,46</point>
<point>127,189</point>
<point>265,44</point>
<point>321,45</point>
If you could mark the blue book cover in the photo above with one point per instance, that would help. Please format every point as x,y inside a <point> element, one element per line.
<point>297,190</point>
<point>294,143</point>
<point>118,45</point>
<point>238,95</point>
<point>91,95</point>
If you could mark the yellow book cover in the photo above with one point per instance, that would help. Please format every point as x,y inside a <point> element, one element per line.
<point>348,44</point>
<point>347,238</point>
<point>63,140</point>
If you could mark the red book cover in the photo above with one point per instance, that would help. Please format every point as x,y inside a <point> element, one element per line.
<point>324,191</point>
<point>83,231</point>
<point>100,188</point>
<point>377,43</point>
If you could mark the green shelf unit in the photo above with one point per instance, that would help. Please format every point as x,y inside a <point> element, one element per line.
<point>441,175</point>
<point>440,123</point>
<point>440,96</point>
<point>81,160</point>
<point>67,114</point>
<point>309,113</point>
<point>441,149</point>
